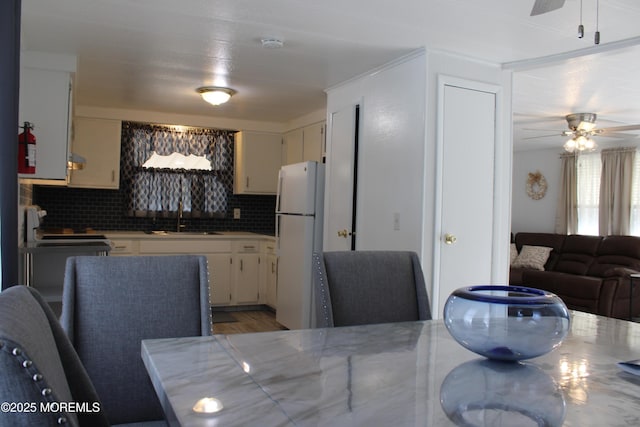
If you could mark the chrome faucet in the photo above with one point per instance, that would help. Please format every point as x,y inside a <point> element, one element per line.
<point>179,226</point>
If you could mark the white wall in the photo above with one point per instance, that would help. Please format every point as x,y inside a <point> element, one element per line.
<point>535,215</point>
<point>391,152</point>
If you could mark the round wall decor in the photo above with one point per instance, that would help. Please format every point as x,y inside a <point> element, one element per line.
<point>536,185</point>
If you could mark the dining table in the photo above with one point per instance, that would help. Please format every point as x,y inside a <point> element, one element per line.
<point>396,374</point>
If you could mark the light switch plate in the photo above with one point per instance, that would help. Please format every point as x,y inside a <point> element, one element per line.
<point>236,213</point>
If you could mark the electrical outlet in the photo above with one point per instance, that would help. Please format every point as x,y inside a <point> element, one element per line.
<point>396,221</point>
<point>236,213</point>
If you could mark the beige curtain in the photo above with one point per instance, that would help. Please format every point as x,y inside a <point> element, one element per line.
<point>615,191</point>
<point>567,211</point>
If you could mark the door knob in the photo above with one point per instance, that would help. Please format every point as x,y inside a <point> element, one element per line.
<point>449,239</point>
<point>343,233</point>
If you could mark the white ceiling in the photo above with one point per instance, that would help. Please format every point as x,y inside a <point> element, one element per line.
<point>153,54</point>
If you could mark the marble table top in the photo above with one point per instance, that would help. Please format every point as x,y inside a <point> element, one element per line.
<point>401,374</point>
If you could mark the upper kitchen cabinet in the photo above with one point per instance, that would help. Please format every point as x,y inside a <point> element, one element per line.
<point>98,141</point>
<point>305,144</point>
<point>258,157</point>
<point>45,102</point>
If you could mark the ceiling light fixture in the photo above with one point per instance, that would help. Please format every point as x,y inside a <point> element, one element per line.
<point>215,95</point>
<point>579,143</point>
<point>272,43</point>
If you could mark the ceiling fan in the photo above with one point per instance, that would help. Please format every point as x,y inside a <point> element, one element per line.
<point>544,6</point>
<point>582,127</point>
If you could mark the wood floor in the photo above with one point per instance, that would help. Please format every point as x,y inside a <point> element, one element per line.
<point>249,321</point>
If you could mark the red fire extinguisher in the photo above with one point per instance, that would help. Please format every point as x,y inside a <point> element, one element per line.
<point>27,150</point>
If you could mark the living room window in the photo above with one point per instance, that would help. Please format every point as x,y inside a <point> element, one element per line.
<point>589,177</point>
<point>589,168</point>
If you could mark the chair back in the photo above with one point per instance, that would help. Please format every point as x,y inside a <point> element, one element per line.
<point>110,304</point>
<point>39,368</point>
<point>364,287</point>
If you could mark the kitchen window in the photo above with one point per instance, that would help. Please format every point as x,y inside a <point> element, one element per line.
<point>159,192</point>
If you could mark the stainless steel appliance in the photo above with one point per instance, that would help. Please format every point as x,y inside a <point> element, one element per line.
<point>44,255</point>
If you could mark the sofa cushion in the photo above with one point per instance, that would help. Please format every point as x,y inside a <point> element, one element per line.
<point>614,253</point>
<point>578,253</point>
<point>548,240</point>
<point>533,257</point>
<point>577,292</point>
<point>513,253</point>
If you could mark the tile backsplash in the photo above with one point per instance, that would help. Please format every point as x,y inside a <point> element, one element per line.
<point>79,209</point>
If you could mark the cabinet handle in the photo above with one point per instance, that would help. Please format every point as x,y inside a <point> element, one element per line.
<point>247,182</point>
<point>113,175</point>
<point>273,267</point>
<point>249,247</point>
<point>241,265</point>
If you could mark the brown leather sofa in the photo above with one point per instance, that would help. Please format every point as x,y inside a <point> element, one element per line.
<point>589,273</point>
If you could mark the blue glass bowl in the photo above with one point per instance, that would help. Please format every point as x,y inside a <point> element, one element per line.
<point>506,322</point>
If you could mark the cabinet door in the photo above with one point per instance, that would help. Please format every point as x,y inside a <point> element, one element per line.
<point>293,142</point>
<point>219,279</point>
<point>44,102</point>
<point>258,157</point>
<point>247,278</point>
<point>272,290</point>
<point>313,142</point>
<point>98,141</point>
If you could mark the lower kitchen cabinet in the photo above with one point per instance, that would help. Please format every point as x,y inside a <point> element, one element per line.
<point>238,274</point>
<point>271,274</point>
<point>220,278</point>
<point>247,280</point>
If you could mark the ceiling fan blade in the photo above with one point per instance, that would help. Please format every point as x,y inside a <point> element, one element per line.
<point>543,136</point>
<point>544,6</point>
<point>617,129</point>
<point>618,135</point>
<point>543,130</point>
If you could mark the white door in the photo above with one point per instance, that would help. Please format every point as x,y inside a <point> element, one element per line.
<point>467,147</point>
<point>340,184</point>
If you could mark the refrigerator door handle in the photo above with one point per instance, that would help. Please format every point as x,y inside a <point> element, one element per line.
<point>279,191</point>
<point>277,234</point>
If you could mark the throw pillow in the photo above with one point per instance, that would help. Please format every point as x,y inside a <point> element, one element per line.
<point>533,257</point>
<point>513,253</point>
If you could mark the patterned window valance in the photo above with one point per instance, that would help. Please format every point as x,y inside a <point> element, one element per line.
<point>153,192</point>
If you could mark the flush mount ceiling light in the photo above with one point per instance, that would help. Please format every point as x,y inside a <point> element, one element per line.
<point>272,43</point>
<point>215,95</point>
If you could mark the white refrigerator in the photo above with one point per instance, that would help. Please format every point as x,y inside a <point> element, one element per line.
<point>299,209</point>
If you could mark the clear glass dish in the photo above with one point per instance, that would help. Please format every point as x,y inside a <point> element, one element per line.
<point>506,322</point>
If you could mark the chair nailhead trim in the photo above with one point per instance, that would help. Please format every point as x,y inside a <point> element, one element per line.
<point>27,363</point>
<point>46,391</point>
<point>37,377</point>
<point>16,351</point>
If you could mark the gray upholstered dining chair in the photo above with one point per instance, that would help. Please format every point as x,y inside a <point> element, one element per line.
<point>365,287</point>
<point>38,365</point>
<point>110,304</point>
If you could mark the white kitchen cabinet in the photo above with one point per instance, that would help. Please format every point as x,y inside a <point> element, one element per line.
<point>247,272</point>
<point>45,100</point>
<point>305,144</point>
<point>293,146</point>
<point>220,279</point>
<point>258,157</point>
<point>271,274</point>
<point>98,141</point>
<point>313,142</point>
